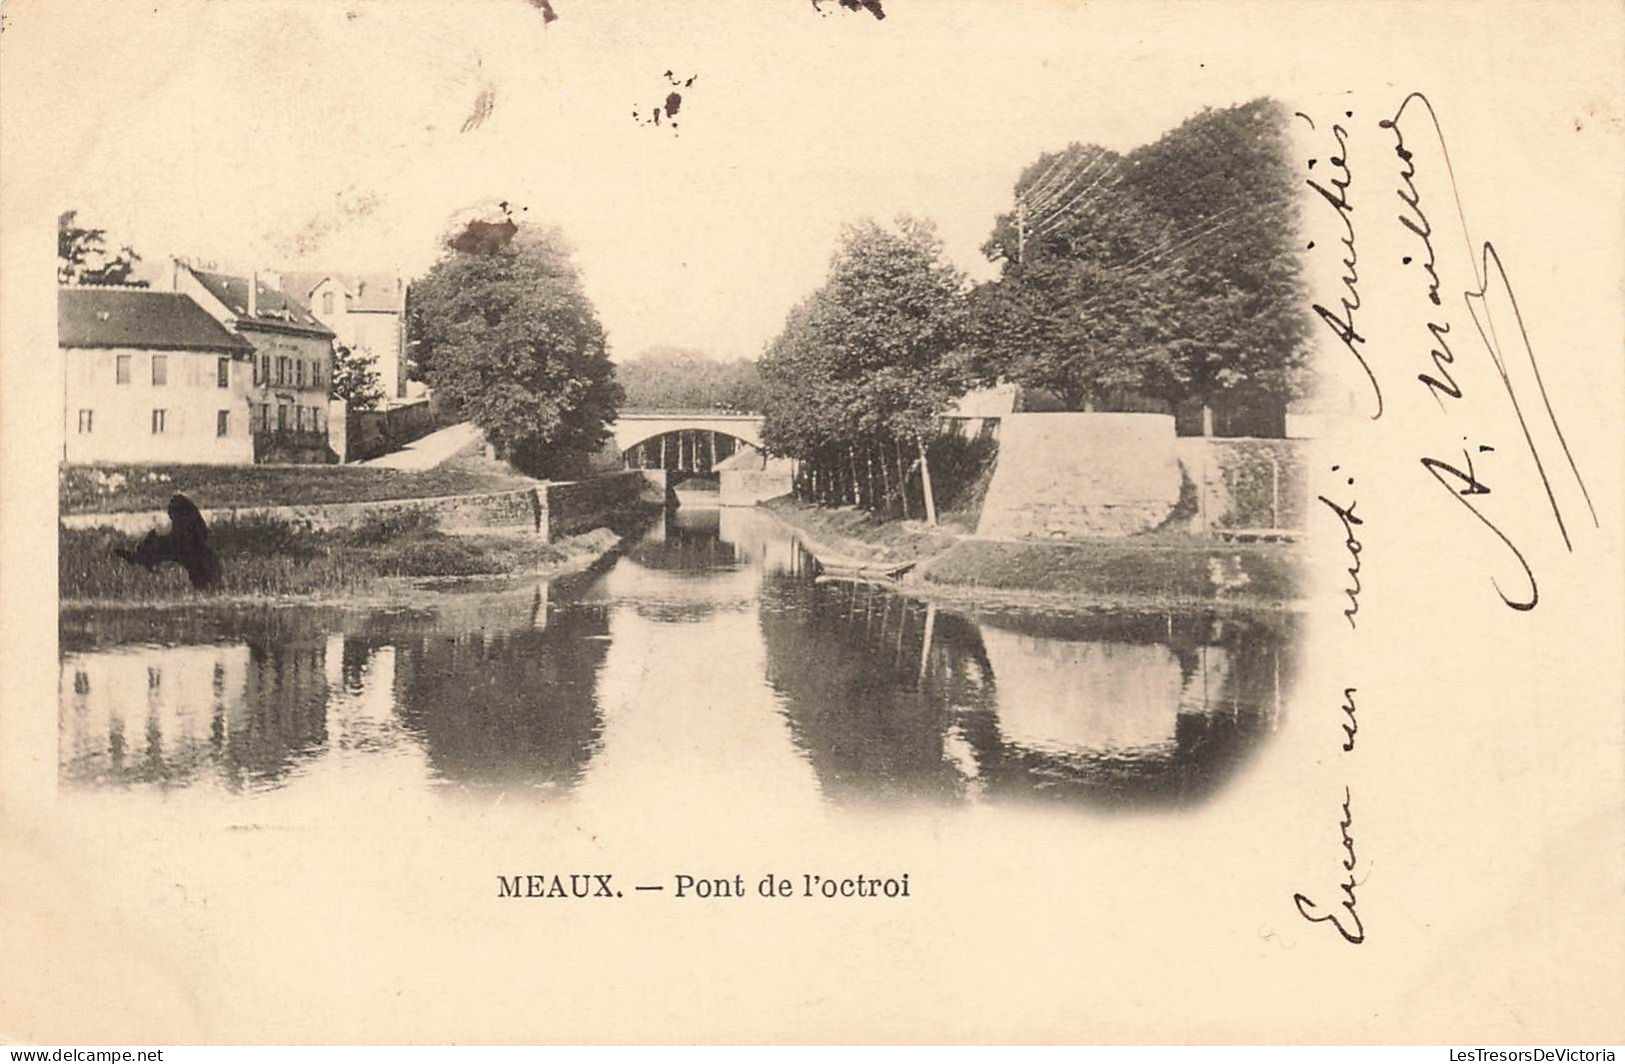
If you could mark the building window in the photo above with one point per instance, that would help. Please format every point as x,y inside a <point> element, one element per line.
<point>158,422</point>
<point>160,369</point>
<point>299,373</point>
<point>265,369</point>
<point>282,417</point>
<point>222,373</point>
<point>84,421</point>
<point>316,373</point>
<point>222,423</point>
<point>124,369</point>
<point>327,302</point>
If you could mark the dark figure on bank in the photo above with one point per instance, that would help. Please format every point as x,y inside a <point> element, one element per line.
<point>186,543</point>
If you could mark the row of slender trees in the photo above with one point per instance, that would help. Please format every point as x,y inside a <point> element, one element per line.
<point>1167,274</point>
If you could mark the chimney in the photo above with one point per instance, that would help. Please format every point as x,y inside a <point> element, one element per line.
<point>254,293</point>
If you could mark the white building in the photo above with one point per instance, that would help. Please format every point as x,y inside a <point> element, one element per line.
<point>367,312</point>
<point>293,359</point>
<point>149,377</point>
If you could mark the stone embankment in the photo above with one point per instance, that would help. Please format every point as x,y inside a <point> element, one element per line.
<point>552,510</point>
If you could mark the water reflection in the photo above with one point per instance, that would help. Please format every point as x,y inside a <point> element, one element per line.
<point>706,669</point>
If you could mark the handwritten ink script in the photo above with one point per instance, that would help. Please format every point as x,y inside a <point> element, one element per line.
<point>1343,915</point>
<point>1383,180</point>
<point>1491,304</point>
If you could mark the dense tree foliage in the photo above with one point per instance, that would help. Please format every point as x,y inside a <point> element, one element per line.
<point>874,354</point>
<point>82,256</point>
<point>1078,309</point>
<point>505,334</point>
<point>355,378</point>
<point>1238,325</point>
<point>1171,272</point>
<point>676,378</point>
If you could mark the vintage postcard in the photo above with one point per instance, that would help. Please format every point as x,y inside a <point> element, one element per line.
<point>908,521</point>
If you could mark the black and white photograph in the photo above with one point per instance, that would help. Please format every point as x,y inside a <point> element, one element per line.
<point>812,521</point>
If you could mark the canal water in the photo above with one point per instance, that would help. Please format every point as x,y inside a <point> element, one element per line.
<point>708,656</point>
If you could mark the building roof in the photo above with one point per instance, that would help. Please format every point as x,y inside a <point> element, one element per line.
<point>367,291</point>
<point>138,317</point>
<point>277,310</point>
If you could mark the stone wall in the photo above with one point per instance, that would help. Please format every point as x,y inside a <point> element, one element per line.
<point>1071,476</point>
<point>1246,484</point>
<point>454,513</point>
<point>575,506</point>
<point>554,510</point>
<point>749,478</point>
<point>370,433</point>
<point>1075,476</point>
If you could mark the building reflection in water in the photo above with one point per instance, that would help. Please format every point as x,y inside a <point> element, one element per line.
<point>707,668</point>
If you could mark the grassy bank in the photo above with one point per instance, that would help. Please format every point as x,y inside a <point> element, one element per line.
<point>120,489</point>
<point>861,534</point>
<point>265,559</point>
<point>1160,570</point>
<point>1159,567</point>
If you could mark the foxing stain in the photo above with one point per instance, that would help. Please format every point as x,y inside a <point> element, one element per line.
<point>483,238</point>
<point>872,6</point>
<point>483,103</point>
<point>673,104</point>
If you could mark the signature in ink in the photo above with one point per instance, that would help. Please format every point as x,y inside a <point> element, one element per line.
<point>1492,291</point>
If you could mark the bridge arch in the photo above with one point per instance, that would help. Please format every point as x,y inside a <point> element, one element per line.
<point>684,442</point>
<point>631,429</point>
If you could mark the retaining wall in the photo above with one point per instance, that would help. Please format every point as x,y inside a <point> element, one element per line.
<point>1071,476</point>
<point>1251,484</point>
<point>553,510</point>
<point>574,506</point>
<point>1077,476</point>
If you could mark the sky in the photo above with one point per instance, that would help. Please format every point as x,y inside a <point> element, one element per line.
<point>332,134</point>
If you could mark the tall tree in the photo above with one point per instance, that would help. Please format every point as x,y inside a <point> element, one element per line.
<point>82,257</point>
<point>1171,271</point>
<point>506,333</point>
<point>875,352</point>
<point>1225,180</point>
<point>1076,311</point>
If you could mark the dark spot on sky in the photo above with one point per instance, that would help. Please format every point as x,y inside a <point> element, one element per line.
<point>483,238</point>
<point>546,8</point>
<point>674,102</point>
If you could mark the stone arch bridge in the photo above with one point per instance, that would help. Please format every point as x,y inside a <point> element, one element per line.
<point>689,442</point>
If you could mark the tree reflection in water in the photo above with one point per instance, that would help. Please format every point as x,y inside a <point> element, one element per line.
<point>892,697</point>
<point>715,659</point>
